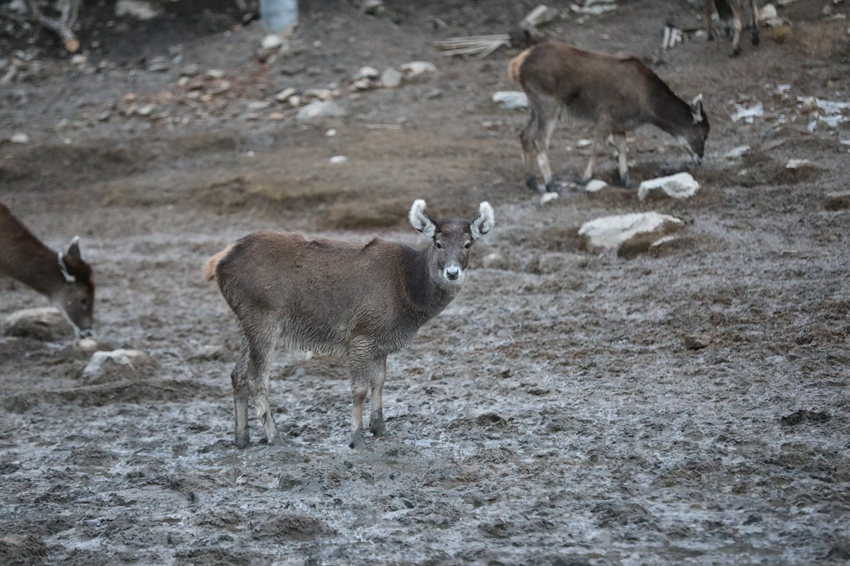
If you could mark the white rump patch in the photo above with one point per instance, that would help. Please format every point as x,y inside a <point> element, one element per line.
<point>420,220</point>
<point>484,222</point>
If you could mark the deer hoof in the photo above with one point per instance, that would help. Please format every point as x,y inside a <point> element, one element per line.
<point>627,182</point>
<point>356,439</point>
<point>552,187</point>
<point>376,424</point>
<point>531,183</point>
<point>242,442</point>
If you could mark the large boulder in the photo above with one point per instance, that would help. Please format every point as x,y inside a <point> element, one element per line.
<point>46,324</point>
<point>636,231</point>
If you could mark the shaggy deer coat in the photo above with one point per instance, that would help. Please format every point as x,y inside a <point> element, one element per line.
<point>617,93</point>
<point>361,302</point>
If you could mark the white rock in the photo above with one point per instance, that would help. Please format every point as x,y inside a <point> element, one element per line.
<point>19,137</point>
<point>272,41</point>
<point>46,315</point>
<point>138,9</point>
<point>611,231</point>
<point>330,133</point>
<point>255,105</point>
<point>318,94</point>
<point>339,160</point>
<point>679,186</point>
<point>548,196</point>
<point>116,364</point>
<point>798,163</point>
<point>285,94</point>
<point>367,72</point>
<point>318,110</point>
<point>390,78</point>
<point>416,68</point>
<point>737,152</point>
<point>769,16</point>
<point>510,99</point>
<point>749,113</point>
<point>595,185</point>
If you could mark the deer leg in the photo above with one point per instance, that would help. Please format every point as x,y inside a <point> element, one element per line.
<point>261,349</point>
<point>363,368</point>
<point>736,34</point>
<point>543,158</point>
<point>591,164</point>
<point>709,7</point>
<point>755,37</point>
<point>239,378</point>
<point>376,417</point>
<point>529,150</point>
<point>623,160</point>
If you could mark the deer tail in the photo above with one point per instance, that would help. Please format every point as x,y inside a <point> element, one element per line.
<point>211,264</point>
<point>516,63</point>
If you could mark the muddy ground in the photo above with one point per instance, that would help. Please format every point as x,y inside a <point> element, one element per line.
<point>571,406</point>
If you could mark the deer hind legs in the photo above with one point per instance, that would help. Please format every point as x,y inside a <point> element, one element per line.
<point>250,377</point>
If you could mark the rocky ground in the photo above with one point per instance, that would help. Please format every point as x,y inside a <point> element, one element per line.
<point>685,403</point>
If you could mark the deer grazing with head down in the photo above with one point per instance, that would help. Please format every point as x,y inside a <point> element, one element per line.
<point>733,10</point>
<point>361,302</point>
<point>63,277</point>
<point>617,93</point>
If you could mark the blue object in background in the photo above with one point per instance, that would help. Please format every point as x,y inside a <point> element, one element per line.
<point>279,15</point>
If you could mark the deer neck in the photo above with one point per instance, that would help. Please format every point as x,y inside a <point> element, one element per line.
<point>425,295</point>
<point>38,269</point>
<point>672,114</point>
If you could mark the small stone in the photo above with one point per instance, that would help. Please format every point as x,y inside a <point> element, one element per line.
<point>415,69</point>
<point>319,110</point>
<point>390,78</point>
<point>190,70</point>
<point>19,137</point>
<point>145,110</point>
<point>737,152</point>
<point>367,72</point>
<point>137,9</point>
<point>798,163</point>
<point>158,65</point>
<point>276,116</point>
<point>697,341</point>
<point>838,200</point>
<point>510,99</point>
<point>254,105</point>
<point>339,160</point>
<point>595,185</point>
<point>272,41</point>
<point>285,94</point>
<point>215,73</point>
<point>678,186</point>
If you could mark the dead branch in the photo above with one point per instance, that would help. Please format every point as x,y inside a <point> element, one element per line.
<point>61,26</point>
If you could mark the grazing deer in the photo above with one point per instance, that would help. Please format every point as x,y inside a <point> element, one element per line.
<point>616,92</point>
<point>64,278</point>
<point>358,301</point>
<point>734,10</point>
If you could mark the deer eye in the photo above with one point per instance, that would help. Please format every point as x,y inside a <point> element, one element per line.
<point>438,244</point>
<point>84,301</point>
<point>467,245</point>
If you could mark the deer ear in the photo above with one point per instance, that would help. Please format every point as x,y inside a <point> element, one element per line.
<point>696,109</point>
<point>483,223</point>
<point>420,219</point>
<point>64,269</point>
<point>74,248</point>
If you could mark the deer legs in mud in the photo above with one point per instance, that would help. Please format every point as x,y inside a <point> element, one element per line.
<point>537,135</point>
<point>535,138</point>
<point>250,378</point>
<point>367,373</point>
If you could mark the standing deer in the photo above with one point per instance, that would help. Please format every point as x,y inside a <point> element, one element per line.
<point>734,10</point>
<point>64,278</point>
<point>616,92</point>
<point>358,301</point>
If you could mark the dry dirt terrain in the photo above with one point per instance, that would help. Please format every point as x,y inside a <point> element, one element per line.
<point>687,404</point>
